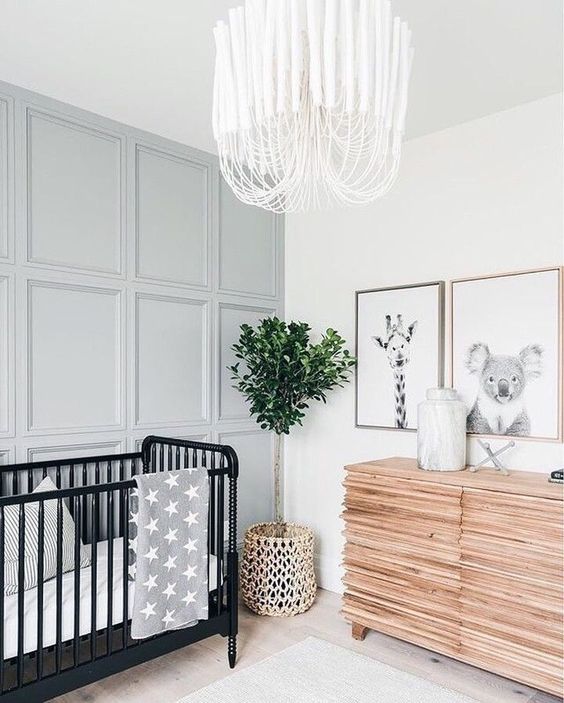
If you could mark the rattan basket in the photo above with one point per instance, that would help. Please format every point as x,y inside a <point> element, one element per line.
<point>277,576</point>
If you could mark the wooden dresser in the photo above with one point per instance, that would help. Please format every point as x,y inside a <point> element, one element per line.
<point>466,564</point>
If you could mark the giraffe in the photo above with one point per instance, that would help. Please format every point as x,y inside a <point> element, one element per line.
<point>397,345</point>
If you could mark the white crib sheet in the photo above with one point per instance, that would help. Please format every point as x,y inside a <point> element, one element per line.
<point>50,608</point>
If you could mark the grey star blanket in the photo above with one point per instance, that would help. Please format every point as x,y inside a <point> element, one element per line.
<point>169,551</point>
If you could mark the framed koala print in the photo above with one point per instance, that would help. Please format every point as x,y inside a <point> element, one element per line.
<point>400,352</point>
<point>506,347</point>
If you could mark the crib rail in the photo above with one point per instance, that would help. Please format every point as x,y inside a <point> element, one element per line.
<point>26,475</point>
<point>96,493</point>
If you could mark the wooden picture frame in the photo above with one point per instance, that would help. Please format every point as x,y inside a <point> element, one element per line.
<point>525,319</point>
<point>424,301</point>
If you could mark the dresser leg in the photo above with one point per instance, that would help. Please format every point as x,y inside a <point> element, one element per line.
<point>359,631</point>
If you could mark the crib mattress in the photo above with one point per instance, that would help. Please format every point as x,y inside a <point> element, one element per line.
<point>50,608</point>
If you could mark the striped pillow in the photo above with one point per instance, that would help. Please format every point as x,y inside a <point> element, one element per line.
<point>31,551</point>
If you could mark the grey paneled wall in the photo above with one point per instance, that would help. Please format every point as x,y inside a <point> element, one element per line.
<point>126,269</point>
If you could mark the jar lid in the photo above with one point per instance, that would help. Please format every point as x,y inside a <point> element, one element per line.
<point>442,394</point>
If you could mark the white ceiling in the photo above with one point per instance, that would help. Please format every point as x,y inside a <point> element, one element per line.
<point>475,57</point>
<point>149,63</point>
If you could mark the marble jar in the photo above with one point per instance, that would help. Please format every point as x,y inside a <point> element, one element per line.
<point>441,433</point>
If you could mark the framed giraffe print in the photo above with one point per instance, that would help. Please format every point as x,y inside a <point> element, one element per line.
<point>400,352</point>
<point>506,353</point>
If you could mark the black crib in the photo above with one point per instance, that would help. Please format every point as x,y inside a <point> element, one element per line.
<point>96,492</point>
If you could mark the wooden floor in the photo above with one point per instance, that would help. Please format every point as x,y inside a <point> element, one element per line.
<point>173,676</point>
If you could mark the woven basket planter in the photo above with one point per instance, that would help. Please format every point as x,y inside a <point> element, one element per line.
<point>277,576</point>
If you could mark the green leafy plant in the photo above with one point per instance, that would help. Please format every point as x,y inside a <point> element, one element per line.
<point>280,371</point>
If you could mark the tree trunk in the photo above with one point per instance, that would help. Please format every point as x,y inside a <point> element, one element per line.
<point>277,497</point>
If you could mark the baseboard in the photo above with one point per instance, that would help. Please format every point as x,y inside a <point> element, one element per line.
<point>329,572</point>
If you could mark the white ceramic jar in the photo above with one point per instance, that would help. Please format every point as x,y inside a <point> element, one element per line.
<point>441,433</point>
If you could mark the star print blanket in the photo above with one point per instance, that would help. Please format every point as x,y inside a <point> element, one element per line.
<point>168,551</point>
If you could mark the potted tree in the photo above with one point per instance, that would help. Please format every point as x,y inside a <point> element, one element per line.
<point>279,372</point>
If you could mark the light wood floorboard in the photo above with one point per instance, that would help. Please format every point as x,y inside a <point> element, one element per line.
<point>175,675</point>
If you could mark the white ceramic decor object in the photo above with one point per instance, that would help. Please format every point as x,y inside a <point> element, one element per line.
<point>441,433</point>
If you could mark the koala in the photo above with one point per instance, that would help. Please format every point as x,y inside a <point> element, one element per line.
<point>500,404</point>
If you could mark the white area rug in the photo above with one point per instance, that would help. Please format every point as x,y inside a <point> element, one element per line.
<point>315,671</point>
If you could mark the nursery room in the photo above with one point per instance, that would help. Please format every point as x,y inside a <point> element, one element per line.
<point>281,351</point>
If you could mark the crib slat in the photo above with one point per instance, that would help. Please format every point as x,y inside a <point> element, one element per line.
<point>161,446</point>
<point>211,517</point>
<point>94,575</point>
<point>109,472</point>
<point>77,559</point>
<point>121,475</point>
<point>220,545</point>
<point>125,614</point>
<point>59,589</point>
<point>40,577</point>
<point>84,504</point>
<point>109,601</point>
<point>21,611</point>
<point>213,508</point>
<point>212,512</point>
<point>2,597</point>
<point>71,485</point>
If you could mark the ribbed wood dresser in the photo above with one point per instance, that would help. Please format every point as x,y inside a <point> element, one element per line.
<point>466,564</point>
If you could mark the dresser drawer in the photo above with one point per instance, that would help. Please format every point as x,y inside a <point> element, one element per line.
<point>423,587</point>
<point>400,620</point>
<point>513,660</point>
<point>526,613</point>
<point>396,498</point>
<point>404,518</point>
<point>513,534</point>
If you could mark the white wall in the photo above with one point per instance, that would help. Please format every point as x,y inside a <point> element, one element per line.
<point>482,197</point>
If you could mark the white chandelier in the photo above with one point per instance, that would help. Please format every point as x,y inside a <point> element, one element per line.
<point>310,99</point>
